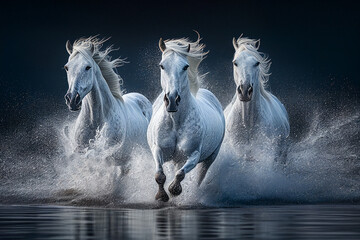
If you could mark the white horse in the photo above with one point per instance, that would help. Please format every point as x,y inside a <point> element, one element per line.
<point>254,114</point>
<point>94,88</point>
<point>188,124</point>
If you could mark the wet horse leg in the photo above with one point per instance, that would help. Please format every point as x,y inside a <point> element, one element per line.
<point>160,177</point>
<point>161,195</point>
<point>175,187</point>
<point>204,165</point>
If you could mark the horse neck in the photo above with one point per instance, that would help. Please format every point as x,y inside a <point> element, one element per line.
<point>250,110</point>
<point>98,102</point>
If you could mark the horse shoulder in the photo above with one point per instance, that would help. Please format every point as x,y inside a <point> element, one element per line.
<point>229,107</point>
<point>138,111</point>
<point>139,100</point>
<point>213,119</point>
<point>279,118</point>
<point>83,129</point>
<point>160,132</point>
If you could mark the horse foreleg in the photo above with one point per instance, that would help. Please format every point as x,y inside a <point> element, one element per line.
<point>160,177</point>
<point>206,164</point>
<point>175,187</point>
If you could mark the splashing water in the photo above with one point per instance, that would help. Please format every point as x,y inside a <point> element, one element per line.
<point>37,165</point>
<point>323,166</point>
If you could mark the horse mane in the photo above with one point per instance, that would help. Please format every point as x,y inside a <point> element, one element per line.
<point>91,47</point>
<point>252,46</point>
<point>194,56</point>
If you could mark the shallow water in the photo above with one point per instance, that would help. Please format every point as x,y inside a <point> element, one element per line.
<point>37,166</point>
<point>249,222</point>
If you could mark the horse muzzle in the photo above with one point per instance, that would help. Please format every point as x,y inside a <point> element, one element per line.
<point>172,101</point>
<point>73,101</point>
<point>245,93</point>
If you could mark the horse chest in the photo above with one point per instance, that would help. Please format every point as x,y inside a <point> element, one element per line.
<point>180,140</point>
<point>108,130</point>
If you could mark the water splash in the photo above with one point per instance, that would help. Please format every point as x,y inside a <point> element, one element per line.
<point>37,165</point>
<point>322,166</point>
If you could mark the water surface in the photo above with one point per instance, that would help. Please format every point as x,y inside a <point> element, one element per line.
<point>248,222</point>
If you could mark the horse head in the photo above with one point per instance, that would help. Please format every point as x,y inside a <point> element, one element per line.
<point>80,70</point>
<point>174,76</point>
<point>179,69</point>
<point>246,67</point>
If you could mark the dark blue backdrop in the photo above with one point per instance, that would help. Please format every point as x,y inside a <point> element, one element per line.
<point>314,46</point>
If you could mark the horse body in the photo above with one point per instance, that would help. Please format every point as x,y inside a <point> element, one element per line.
<point>253,114</point>
<point>190,130</point>
<point>255,118</point>
<point>119,122</point>
<point>121,119</point>
<point>187,131</point>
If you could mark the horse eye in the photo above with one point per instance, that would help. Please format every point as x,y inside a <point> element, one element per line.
<point>257,64</point>
<point>186,67</point>
<point>87,68</point>
<point>161,66</point>
<point>235,64</point>
<point>66,68</point>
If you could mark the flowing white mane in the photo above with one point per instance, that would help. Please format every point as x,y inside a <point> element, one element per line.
<point>194,56</point>
<point>252,46</point>
<point>90,48</point>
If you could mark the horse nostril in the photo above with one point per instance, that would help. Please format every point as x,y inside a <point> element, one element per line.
<point>77,99</point>
<point>177,99</point>
<point>67,97</point>
<point>239,90</point>
<point>166,100</point>
<point>250,91</point>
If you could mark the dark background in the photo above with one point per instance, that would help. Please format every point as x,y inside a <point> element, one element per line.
<point>314,47</point>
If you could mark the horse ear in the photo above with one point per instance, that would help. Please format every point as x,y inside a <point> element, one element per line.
<point>235,44</point>
<point>162,45</point>
<point>188,48</point>
<point>257,44</point>
<point>69,48</point>
<point>92,48</point>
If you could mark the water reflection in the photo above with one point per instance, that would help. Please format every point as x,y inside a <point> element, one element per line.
<point>254,222</point>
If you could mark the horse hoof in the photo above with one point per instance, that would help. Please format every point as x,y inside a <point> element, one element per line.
<point>162,196</point>
<point>160,178</point>
<point>180,175</point>
<point>175,188</point>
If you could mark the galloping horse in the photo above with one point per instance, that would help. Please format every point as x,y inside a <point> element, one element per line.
<point>188,123</point>
<point>94,88</point>
<point>254,113</point>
